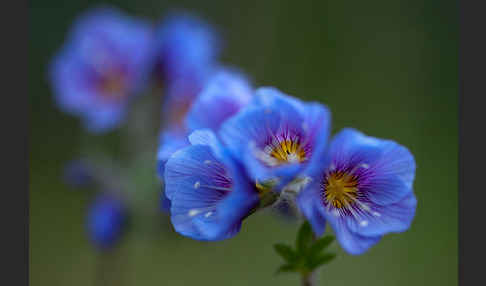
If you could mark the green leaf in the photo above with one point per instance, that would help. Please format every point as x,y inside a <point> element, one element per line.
<point>320,245</point>
<point>286,252</point>
<point>286,268</point>
<point>304,238</point>
<point>317,261</point>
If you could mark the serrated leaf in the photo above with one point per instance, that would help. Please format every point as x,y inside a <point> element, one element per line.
<point>304,237</point>
<point>286,252</point>
<point>320,245</point>
<point>286,268</point>
<point>317,261</point>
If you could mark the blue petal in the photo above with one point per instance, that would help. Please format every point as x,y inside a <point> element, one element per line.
<point>207,137</point>
<point>351,242</point>
<point>70,86</point>
<point>271,96</point>
<point>108,32</point>
<point>224,95</point>
<point>170,141</point>
<point>396,217</point>
<point>203,205</point>
<point>290,109</point>
<point>103,119</point>
<point>309,202</point>
<point>187,46</point>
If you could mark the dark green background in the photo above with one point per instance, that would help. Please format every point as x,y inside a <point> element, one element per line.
<point>387,68</point>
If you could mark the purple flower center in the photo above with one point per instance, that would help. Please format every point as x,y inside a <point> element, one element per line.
<point>340,189</point>
<point>112,84</point>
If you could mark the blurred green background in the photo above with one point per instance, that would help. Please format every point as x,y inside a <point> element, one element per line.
<point>387,68</point>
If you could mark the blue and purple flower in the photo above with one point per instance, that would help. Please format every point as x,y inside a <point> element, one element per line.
<point>361,186</point>
<point>276,135</point>
<point>210,193</point>
<point>104,62</point>
<point>224,94</point>
<point>106,221</point>
<point>187,48</point>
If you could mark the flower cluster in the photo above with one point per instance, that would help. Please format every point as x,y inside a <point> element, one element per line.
<point>240,149</point>
<point>275,145</point>
<point>226,148</point>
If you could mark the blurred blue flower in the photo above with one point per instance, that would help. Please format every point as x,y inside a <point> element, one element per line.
<point>187,48</point>
<point>78,173</point>
<point>223,95</point>
<point>210,194</point>
<point>276,135</point>
<point>362,186</point>
<point>102,64</point>
<point>106,221</point>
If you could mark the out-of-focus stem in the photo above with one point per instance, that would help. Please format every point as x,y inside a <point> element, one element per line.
<point>310,278</point>
<point>108,270</point>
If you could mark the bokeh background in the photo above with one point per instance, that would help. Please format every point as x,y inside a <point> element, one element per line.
<point>388,68</point>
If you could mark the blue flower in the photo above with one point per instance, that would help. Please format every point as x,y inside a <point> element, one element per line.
<point>106,221</point>
<point>78,173</point>
<point>224,94</point>
<point>187,48</point>
<point>362,186</point>
<point>276,135</point>
<point>210,194</point>
<point>103,63</point>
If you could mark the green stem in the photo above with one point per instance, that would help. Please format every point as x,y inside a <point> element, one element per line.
<point>310,278</point>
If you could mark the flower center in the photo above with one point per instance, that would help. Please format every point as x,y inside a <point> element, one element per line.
<point>113,85</point>
<point>288,151</point>
<point>340,189</point>
<point>283,151</point>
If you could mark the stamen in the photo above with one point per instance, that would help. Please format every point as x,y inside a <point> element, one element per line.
<point>340,189</point>
<point>284,149</point>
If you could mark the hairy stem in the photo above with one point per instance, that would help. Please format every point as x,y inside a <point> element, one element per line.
<point>309,279</point>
